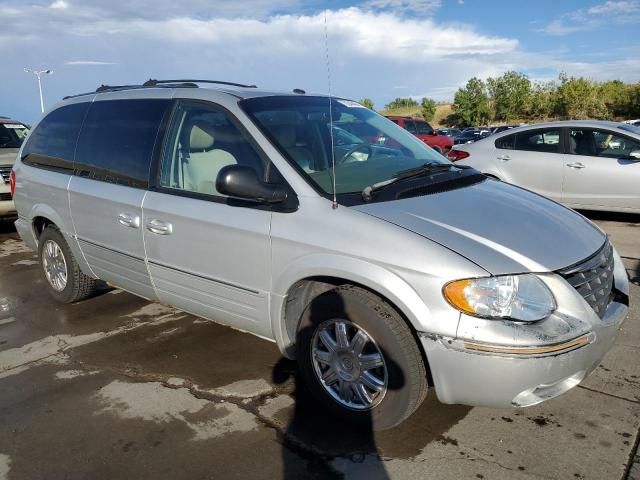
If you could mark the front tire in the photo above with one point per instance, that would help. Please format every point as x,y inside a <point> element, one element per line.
<point>359,357</point>
<point>65,281</point>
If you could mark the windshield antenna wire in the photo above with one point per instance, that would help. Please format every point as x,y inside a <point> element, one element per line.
<point>334,205</point>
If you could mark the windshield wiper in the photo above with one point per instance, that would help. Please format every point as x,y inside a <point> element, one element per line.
<point>427,168</point>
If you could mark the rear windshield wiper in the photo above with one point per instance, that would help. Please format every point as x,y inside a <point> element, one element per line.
<point>427,168</point>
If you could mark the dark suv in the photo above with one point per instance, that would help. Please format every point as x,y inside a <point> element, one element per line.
<point>424,132</point>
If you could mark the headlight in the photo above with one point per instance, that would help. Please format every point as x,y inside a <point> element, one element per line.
<point>518,297</point>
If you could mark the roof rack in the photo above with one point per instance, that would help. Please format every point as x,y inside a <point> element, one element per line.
<point>112,88</point>
<point>158,83</point>
<point>152,83</point>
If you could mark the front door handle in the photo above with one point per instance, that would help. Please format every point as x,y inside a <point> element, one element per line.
<point>576,165</point>
<point>159,227</point>
<point>504,158</point>
<point>129,220</point>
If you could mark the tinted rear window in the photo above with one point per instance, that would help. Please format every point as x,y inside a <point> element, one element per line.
<point>505,142</point>
<point>117,140</point>
<point>546,140</point>
<point>56,135</point>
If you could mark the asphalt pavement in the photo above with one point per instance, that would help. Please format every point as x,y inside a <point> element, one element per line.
<point>117,387</point>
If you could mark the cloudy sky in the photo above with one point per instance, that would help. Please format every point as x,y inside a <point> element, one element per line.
<point>380,49</point>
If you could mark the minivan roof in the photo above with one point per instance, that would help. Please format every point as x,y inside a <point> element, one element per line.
<point>230,88</point>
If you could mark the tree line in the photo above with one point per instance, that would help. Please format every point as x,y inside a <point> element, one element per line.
<point>514,97</point>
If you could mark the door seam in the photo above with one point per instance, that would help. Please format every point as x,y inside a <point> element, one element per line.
<point>144,246</point>
<point>75,232</point>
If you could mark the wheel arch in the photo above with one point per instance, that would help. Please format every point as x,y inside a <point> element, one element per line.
<point>298,286</point>
<point>41,216</point>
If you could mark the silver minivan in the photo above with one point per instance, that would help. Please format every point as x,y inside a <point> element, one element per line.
<point>385,270</point>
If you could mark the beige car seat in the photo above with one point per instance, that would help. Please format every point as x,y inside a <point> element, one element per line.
<point>205,162</point>
<point>286,137</point>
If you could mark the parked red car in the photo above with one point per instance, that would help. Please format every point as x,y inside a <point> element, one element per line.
<point>424,132</point>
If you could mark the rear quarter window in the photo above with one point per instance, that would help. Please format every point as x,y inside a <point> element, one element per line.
<point>117,140</point>
<point>55,137</point>
<point>506,142</point>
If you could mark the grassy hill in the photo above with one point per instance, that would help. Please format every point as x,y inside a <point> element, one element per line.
<point>442,111</point>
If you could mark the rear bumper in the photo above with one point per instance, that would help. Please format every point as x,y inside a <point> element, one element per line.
<point>7,207</point>
<point>26,233</point>
<point>463,374</point>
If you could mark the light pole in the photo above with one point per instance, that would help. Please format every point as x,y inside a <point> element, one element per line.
<point>37,73</point>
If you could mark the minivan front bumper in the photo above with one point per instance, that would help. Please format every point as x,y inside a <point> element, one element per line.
<point>483,376</point>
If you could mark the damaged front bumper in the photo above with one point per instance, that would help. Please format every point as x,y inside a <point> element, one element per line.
<point>468,375</point>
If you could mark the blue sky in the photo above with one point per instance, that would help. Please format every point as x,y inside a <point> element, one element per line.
<point>379,49</point>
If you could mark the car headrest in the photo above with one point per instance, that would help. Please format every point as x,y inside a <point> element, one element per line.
<point>200,139</point>
<point>285,135</point>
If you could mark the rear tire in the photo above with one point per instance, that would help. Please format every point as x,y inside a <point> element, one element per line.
<point>374,375</point>
<point>66,283</point>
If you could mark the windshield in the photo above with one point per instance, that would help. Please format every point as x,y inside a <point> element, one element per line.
<point>367,147</point>
<point>12,135</point>
<point>630,128</point>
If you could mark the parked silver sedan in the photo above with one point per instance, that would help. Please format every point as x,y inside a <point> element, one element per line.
<point>591,165</point>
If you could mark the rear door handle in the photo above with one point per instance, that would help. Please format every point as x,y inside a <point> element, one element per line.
<point>159,227</point>
<point>576,165</point>
<point>129,220</point>
<point>504,158</point>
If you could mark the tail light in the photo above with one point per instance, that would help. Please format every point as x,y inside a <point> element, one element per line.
<point>455,155</point>
<point>12,183</point>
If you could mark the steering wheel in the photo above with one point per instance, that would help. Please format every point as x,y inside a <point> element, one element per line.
<point>353,150</point>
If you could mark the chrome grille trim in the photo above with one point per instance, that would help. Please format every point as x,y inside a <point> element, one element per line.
<point>5,172</point>
<point>593,278</point>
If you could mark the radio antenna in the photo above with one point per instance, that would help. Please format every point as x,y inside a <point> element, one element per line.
<point>334,204</point>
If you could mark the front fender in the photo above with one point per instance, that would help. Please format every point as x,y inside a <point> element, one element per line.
<point>374,277</point>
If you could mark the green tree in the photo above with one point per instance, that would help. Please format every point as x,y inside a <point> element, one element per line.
<point>428,109</point>
<point>509,95</point>
<point>367,102</point>
<point>616,97</point>
<point>541,103</point>
<point>633,107</point>
<point>401,103</point>
<point>471,103</point>
<point>580,98</point>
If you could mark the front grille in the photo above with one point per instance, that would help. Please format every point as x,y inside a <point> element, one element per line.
<point>5,196</point>
<point>5,172</point>
<point>593,278</point>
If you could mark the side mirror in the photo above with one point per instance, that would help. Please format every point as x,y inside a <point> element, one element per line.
<point>634,155</point>
<point>242,182</point>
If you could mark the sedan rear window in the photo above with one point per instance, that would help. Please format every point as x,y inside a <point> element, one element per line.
<point>547,141</point>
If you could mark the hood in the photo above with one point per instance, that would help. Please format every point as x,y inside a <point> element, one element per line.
<point>502,228</point>
<point>8,156</point>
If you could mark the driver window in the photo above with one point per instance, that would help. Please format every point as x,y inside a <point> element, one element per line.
<point>600,143</point>
<point>202,140</point>
<point>424,128</point>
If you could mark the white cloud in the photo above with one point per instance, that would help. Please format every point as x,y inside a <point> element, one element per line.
<point>88,62</point>
<point>612,12</point>
<point>59,5</point>
<point>615,7</point>
<point>420,7</point>
<point>375,35</point>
